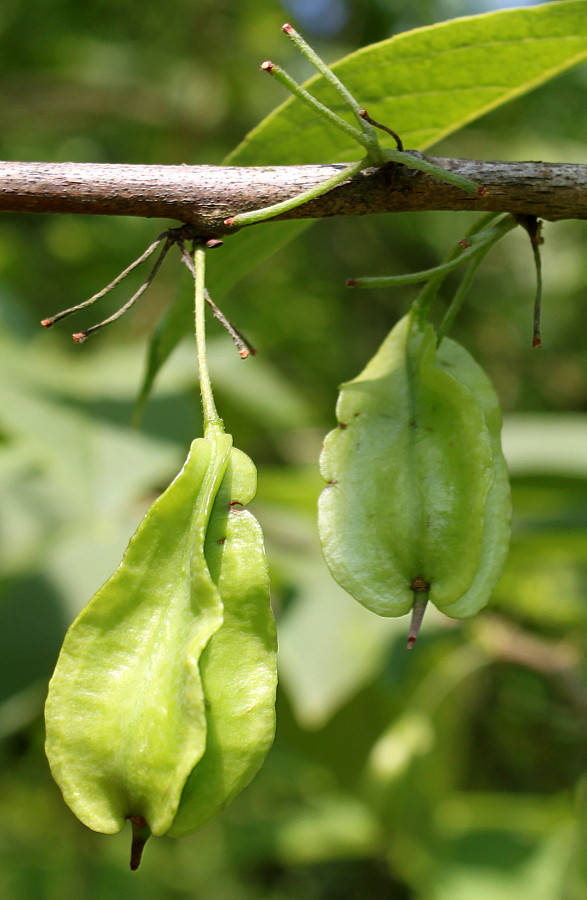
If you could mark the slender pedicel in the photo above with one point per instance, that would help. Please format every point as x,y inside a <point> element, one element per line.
<point>80,336</point>
<point>424,165</point>
<point>365,115</point>
<point>453,310</point>
<point>47,323</point>
<point>268,212</point>
<point>213,424</point>
<point>320,65</point>
<point>244,347</point>
<point>297,90</point>
<point>426,274</point>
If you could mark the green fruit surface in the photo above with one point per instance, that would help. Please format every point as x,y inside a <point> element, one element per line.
<point>125,714</point>
<point>238,666</point>
<point>417,485</point>
<point>162,704</point>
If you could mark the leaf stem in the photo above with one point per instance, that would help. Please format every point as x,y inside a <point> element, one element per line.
<point>213,424</point>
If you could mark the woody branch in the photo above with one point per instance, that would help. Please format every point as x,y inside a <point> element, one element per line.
<point>205,196</point>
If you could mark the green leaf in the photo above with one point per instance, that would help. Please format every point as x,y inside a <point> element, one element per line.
<point>429,82</point>
<point>426,83</point>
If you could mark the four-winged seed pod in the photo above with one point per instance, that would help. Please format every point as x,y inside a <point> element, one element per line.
<point>161,707</point>
<point>418,502</point>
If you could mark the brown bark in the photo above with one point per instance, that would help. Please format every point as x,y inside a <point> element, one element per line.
<point>205,195</point>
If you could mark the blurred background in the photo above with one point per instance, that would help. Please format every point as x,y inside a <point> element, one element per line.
<point>455,771</point>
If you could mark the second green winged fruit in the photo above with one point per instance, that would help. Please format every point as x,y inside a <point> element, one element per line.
<point>238,667</point>
<point>417,499</point>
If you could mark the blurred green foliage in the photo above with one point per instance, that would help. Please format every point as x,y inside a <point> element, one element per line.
<point>456,771</point>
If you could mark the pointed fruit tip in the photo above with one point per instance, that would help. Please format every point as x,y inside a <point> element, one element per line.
<point>420,588</point>
<point>140,835</point>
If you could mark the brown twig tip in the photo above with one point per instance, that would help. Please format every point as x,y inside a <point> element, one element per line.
<point>79,337</point>
<point>537,341</point>
<point>47,323</point>
<point>351,282</point>
<point>267,66</point>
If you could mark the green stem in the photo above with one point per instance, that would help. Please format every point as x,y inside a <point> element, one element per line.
<point>536,338</point>
<point>459,297</point>
<point>421,306</point>
<point>213,424</point>
<point>440,271</point>
<point>424,165</point>
<point>268,212</point>
<point>374,149</point>
<point>302,94</point>
<point>463,288</point>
